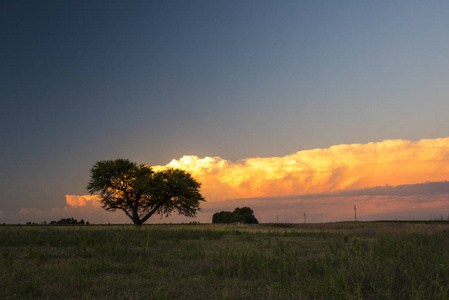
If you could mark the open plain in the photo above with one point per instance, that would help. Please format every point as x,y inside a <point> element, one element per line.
<point>347,260</point>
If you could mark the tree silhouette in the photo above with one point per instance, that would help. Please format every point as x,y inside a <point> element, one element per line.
<point>140,192</point>
<point>239,215</point>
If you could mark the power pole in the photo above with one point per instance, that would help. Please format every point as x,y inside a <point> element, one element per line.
<point>355,212</point>
<point>305,218</point>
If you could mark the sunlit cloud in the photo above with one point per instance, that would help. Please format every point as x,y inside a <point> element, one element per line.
<point>341,167</point>
<point>80,201</point>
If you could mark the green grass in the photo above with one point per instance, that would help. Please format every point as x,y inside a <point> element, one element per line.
<point>348,260</point>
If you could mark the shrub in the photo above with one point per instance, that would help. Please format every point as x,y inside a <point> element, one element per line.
<point>239,215</point>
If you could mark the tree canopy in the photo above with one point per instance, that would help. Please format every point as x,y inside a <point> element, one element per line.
<point>239,215</point>
<point>140,192</point>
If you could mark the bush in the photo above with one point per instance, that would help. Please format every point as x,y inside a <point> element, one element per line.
<point>239,215</point>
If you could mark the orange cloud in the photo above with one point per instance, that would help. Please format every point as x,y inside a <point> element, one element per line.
<point>80,201</point>
<point>340,167</point>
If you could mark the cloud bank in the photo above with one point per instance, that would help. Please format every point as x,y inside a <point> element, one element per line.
<point>341,167</point>
<point>425,201</point>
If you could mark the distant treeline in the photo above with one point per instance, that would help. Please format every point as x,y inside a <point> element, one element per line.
<point>239,215</point>
<point>67,221</point>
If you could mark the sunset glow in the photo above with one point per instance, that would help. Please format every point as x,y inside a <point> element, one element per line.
<point>341,167</point>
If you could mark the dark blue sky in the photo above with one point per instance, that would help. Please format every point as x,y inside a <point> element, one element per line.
<point>83,81</point>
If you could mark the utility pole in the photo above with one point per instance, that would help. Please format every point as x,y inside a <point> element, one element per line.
<point>277,218</point>
<point>355,212</point>
<point>305,218</point>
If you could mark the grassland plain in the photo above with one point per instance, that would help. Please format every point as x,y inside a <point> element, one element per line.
<point>349,260</point>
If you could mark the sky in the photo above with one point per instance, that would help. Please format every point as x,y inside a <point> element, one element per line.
<point>289,107</point>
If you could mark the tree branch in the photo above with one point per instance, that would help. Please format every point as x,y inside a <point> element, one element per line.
<point>127,213</point>
<point>152,211</point>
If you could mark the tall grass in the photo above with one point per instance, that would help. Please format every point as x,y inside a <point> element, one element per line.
<point>309,261</point>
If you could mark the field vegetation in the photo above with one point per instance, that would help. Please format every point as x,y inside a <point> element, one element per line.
<point>349,260</point>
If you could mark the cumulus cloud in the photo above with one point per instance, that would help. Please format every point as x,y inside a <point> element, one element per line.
<point>340,167</point>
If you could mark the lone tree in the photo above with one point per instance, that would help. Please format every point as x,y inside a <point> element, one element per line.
<point>140,192</point>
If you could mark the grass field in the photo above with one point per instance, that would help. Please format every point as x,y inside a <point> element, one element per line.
<point>350,260</point>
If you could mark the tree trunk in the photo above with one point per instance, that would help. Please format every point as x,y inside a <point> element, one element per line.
<point>137,221</point>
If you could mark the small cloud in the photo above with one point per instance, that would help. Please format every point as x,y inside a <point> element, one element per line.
<point>80,201</point>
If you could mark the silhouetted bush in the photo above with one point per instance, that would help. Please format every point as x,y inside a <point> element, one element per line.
<point>239,215</point>
<point>68,221</point>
